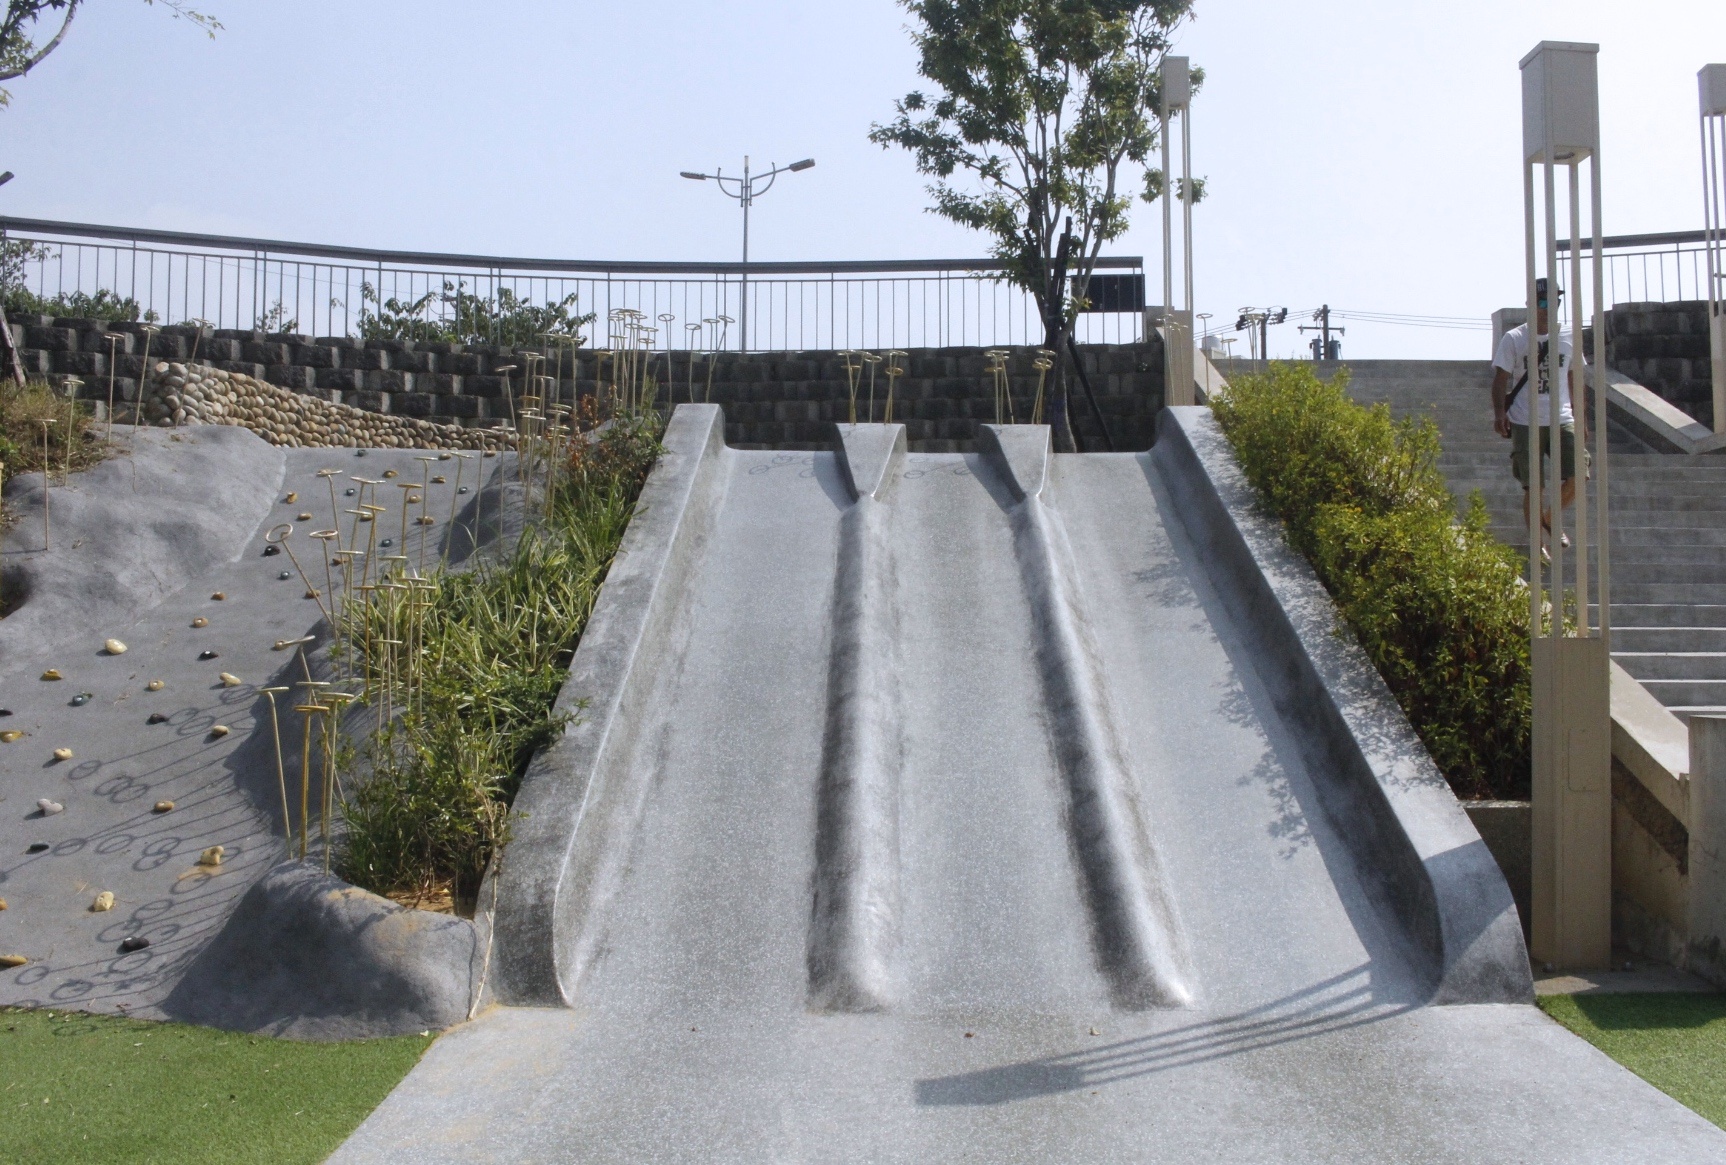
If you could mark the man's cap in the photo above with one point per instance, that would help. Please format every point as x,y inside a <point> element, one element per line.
<point>1540,290</point>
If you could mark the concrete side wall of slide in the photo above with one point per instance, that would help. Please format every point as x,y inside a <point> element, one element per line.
<point>1384,792</point>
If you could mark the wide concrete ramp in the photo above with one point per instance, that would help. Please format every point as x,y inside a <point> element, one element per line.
<point>998,807</point>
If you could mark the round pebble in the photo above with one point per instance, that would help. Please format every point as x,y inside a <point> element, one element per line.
<point>387,542</point>
<point>440,479</point>
<point>272,550</point>
<point>12,960</point>
<point>291,498</point>
<point>200,621</point>
<point>218,730</point>
<point>212,856</point>
<point>5,711</point>
<point>285,575</point>
<point>10,735</point>
<point>461,489</point>
<point>104,902</point>
<point>136,943</point>
<point>389,473</point>
<point>49,808</point>
<point>52,674</point>
<point>62,754</point>
<point>229,680</point>
<point>113,647</point>
<point>153,686</point>
<point>219,596</point>
<point>349,492</point>
<point>163,807</point>
<point>36,847</point>
<point>303,518</point>
<point>209,655</point>
<point>82,698</point>
<point>157,718</point>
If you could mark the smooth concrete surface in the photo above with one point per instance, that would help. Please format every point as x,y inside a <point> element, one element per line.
<point>152,562</point>
<point>1112,769</point>
<point>1324,1076</point>
<point>1507,828</point>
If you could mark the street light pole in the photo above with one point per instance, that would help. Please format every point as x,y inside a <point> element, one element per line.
<point>745,191</point>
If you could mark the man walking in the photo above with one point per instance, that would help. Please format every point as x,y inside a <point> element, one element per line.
<point>1514,386</point>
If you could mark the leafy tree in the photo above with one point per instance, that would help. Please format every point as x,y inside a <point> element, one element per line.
<point>1042,102</point>
<point>19,52</point>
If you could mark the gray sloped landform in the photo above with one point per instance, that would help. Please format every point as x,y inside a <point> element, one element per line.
<point>994,806</point>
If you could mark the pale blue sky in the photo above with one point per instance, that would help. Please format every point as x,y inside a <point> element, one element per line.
<point>1362,153</point>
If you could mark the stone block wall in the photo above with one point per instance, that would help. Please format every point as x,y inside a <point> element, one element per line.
<point>1664,347</point>
<point>773,400</point>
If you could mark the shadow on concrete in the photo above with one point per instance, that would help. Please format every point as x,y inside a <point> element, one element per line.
<point>1336,1004</point>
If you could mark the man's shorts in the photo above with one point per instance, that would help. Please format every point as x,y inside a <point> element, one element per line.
<point>1566,445</point>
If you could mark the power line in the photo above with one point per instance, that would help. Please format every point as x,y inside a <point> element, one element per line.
<point>1463,323</point>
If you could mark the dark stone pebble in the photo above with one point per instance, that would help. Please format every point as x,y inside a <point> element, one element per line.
<point>5,711</point>
<point>388,542</point>
<point>136,943</point>
<point>347,493</point>
<point>81,699</point>
<point>207,655</point>
<point>272,550</point>
<point>285,575</point>
<point>461,489</point>
<point>156,718</point>
<point>37,847</point>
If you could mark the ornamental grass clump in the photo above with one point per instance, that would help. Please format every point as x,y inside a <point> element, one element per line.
<point>474,664</point>
<point>1438,604</point>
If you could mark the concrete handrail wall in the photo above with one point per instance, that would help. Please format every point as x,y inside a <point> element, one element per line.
<point>1381,787</point>
<point>581,799</point>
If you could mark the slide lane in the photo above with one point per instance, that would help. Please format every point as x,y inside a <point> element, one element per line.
<point>966,736</point>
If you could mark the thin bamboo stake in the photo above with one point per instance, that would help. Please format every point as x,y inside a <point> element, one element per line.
<point>281,774</point>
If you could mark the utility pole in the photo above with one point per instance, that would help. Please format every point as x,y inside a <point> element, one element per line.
<point>1252,318</point>
<point>1323,347</point>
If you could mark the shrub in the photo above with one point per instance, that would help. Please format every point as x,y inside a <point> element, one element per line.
<point>103,305</point>
<point>22,411</point>
<point>493,648</point>
<point>1438,604</point>
<point>457,315</point>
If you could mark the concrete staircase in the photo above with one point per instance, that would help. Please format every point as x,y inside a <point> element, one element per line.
<point>1668,524</point>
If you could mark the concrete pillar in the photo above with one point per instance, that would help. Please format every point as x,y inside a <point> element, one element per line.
<point>1572,805</point>
<point>1707,825</point>
<point>1178,358</point>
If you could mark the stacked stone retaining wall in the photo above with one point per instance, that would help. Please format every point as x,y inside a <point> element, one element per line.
<point>1664,347</point>
<point>779,400</point>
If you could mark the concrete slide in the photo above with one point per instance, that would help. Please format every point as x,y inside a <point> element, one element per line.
<point>994,807</point>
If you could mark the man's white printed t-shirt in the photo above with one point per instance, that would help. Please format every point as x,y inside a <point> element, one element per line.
<point>1513,358</point>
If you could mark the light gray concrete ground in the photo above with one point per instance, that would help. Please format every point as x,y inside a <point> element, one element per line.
<point>141,566</point>
<point>1101,778</point>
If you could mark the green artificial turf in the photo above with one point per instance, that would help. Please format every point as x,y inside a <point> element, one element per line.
<point>77,1088</point>
<point>1676,1042</point>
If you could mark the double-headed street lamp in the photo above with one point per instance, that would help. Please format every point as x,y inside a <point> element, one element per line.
<point>746,190</point>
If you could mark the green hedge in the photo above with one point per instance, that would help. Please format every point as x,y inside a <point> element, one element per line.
<point>1438,604</point>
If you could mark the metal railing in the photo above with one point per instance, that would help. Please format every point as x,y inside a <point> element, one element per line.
<point>174,277</point>
<point>1655,268</point>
